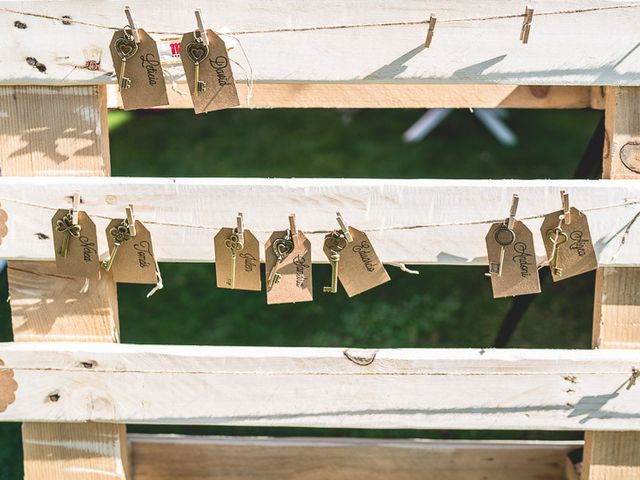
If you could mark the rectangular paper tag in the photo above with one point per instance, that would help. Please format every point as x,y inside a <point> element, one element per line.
<point>134,261</point>
<point>575,252</point>
<point>147,87</point>
<point>519,270</point>
<point>219,87</point>
<point>359,268</point>
<point>295,284</point>
<point>81,259</point>
<point>247,264</point>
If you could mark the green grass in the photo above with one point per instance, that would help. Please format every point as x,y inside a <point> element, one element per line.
<point>443,307</point>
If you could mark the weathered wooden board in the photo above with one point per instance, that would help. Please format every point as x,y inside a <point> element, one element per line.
<point>616,316</point>
<point>366,41</point>
<point>365,95</point>
<point>167,457</point>
<point>323,387</point>
<point>408,221</point>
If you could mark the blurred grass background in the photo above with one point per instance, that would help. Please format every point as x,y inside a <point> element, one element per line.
<point>443,307</point>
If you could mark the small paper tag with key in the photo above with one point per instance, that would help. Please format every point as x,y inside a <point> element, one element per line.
<point>355,264</point>
<point>138,70</point>
<point>291,277</point>
<point>208,72</point>
<point>131,258</point>
<point>237,260</point>
<point>568,245</point>
<point>512,260</point>
<point>75,245</point>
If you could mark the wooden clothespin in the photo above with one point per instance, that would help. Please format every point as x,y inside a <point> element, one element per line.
<point>526,25</point>
<point>75,207</point>
<point>292,225</point>
<point>132,24</point>
<point>344,227</point>
<point>131,220</point>
<point>432,25</point>
<point>240,227</point>
<point>200,33</point>
<point>513,211</point>
<point>566,208</point>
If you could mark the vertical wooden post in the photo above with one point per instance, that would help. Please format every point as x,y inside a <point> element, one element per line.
<point>61,131</point>
<point>616,322</point>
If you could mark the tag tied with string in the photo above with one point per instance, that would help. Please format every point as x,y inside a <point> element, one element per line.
<point>358,267</point>
<point>237,260</point>
<point>138,69</point>
<point>512,258</point>
<point>208,71</point>
<point>75,244</point>
<point>292,272</point>
<point>131,257</point>
<point>568,244</point>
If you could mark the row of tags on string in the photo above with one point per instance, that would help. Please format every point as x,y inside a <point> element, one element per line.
<point>288,266</point>
<point>140,76</point>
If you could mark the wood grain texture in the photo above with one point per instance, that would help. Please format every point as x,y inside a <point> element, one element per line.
<point>616,320</point>
<point>408,221</point>
<point>474,42</point>
<point>61,131</point>
<point>366,95</point>
<point>323,387</point>
<point>167,457</point>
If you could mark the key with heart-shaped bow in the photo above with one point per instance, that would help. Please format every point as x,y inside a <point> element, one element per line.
<point>282,247</point>
<point>234,245</point>
<point>126,47</point>
<point>198,51</point>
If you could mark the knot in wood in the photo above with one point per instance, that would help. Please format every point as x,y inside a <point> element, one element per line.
<point>361,356</point>
<point>3,224</point>
<point>8,387</point>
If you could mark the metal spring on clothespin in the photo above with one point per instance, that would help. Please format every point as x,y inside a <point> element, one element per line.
<point>526,25</point>
<point>432,25</point>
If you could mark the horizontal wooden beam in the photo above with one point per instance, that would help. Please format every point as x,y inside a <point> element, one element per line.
<point>166,457</point>
<point>337,41</point>
<point>323,387</point>
<point>366,95</point>
<point>408,221</point>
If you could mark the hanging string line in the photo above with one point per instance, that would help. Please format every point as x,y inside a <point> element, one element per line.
<point>341,27</point>
<point>312,232</point>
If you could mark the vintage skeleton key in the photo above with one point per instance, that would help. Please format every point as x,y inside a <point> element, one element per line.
<point>235,245</point>
<point>66,225</point>
<point>198,51</point>
<point>126,47</point>
<point>282,247</point>
<point>120,234</point>
<point>504,236</point>
<point>556,236</point>
<point>335,242</point>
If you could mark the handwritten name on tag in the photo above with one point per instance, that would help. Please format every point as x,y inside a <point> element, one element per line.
<point>134,261</point>
<point>81,258</point>
<point>360,269</point>
<point>575,252</point>
<point>519,271</point>
<point>295,283</point>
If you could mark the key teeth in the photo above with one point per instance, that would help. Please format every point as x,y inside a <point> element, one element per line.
<point>125,83</point>
<point>202,86</point>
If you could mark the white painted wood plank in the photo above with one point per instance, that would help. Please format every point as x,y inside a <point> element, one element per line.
<point>408,221</point>
<point>474,42</point>
<point>166,457</point>
<point>322,387</point>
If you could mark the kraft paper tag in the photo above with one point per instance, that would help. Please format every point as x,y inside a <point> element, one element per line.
<point>575,251</point>
<point>8,387</point>
<point>519,269</point>
<point>147,87</point>
<point>359,268</point>
<point>219,88</point>
<point>247,263</point>
<point>82,258</point>
<point>295,284</point>
<point>134,261</point>
<point>3,224</point>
